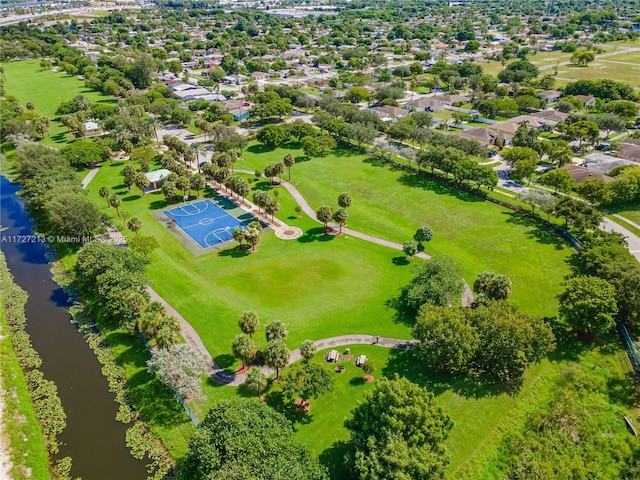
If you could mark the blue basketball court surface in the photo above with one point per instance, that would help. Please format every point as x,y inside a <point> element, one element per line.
<point>204,222</point>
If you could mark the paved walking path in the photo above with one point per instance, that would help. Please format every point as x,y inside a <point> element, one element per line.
<point>89,176</point>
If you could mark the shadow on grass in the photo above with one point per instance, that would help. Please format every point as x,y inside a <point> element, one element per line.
<point>315,234</point>
<point>334,459</point>
<point>424,183</point>
<point>225,361</point>
<point>538,232</point>
<point>154,401</point>
<point>233,252</point>
<point>285,406</point>
<point>623,391</point>
<point>158,204</point>
<point>400,261</point>
<point>406,364</point>
<point>356,381</point>
<point>131,198</point>
<point>404,314</point>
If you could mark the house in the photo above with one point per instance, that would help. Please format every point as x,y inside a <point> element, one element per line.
<point>581,174</point>
<point>629,150</point>
<point>260,76</point>
<point>552,117</point>
<point>91,129</point>
<point>480,135</point>
<point>425,105</point>
<point>389,111</point>
<point>211,97</point>
<point>156,178</point>
<point>533,122</point>
<point>191,94</point>
<point>452,99</point>
<point>241,113</point>
<point>587,100</point>
<point>603,163</point>
<point>550,96</point>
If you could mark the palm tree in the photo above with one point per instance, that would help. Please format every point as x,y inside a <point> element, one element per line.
<point>155,124</point>
<point>82,102</point>
<point>340,217</point>
<point>249,322</point>
<point>256,380</point>
<point>308,350</point>
<point>243,348</point>
<point>135,224</point>
<point>104,193</point>
<point>289,162</point>
<point>151,319</point>
<point>114,201</point>
<point>276,330</point>
<point>197,149</point>
<point>168,333</point>
<point>277,355</point>
<point>561,153</point>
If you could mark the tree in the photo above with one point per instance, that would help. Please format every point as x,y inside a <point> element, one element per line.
<point>135,224</point>
<point>510,340</point>
<point>142,182</point>
<point>240,235</point>
<point>538,198</point>
<point>398,432</point>
<point>306,382</point>
<point>308,350</point>
<point>437,281</point>
<point>344,200</point>
<point>169,190</point>
<point>143,244</point>
<point>249,322</point>
<point>104,193</point>
<point>83,153</point>
<point>256,380</point>
<point>588,304</point>
<point>446,338</point>
<point>580,215</point>
<point>610,122</point>
<point>139,72</point>
<point>271,136</point>
<point>310,146</point>
<point>525,136</point>
<point>522,160</point>
<point>368,367</point>
<point>495,286</point>
<point>261,441</point>
<point>324,215</point>
<point>410,248</point>
<point>73,215</point>
<point>559,178</point>
<point>560,153</point>
<point>198,183</point>
<point>114,201</point>
<point>422,235</point>
<point>180,368</point>
<point>582,58</point>
<point>595,190</point>
<point>340,217</point>
<point>276,330</point>
<point>289,161</point>
<point>274,169</point>
<point>276,355</point>
<point>243,348</point>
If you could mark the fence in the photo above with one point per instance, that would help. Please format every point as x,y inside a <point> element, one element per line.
<point>180,398</point>
<point>629,346</point>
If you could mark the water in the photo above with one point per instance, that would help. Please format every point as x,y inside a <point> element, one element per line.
<point>93,438</point>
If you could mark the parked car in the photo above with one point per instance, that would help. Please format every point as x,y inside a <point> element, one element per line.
<point>492,153</point>
<point>604,146</point>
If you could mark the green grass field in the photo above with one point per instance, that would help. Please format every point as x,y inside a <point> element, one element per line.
<point>599,69</point>
<point>26,81</point>
<point>391,204</point>
<point>23,440</point>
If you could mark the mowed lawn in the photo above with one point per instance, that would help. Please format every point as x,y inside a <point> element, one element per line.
<point>392,204</point>
<point>624,73</point>
<point>47,89</point>
<point>321,286</point>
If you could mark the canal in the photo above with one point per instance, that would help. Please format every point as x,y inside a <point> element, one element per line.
<point>93,438</point>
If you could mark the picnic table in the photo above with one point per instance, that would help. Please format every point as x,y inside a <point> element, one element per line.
<point>360,360</point>
<point>333,356</point>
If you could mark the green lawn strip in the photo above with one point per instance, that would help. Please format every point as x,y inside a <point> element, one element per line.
<point>632,211</point>
<point>622,223</point>
<point>629,74</point>
<point>24,439</point>
<point>391,204</point>
<point>26,81</point>
<point>352,280</point>
<point>154,401</point>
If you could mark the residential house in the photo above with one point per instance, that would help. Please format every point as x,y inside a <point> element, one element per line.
<point>260,76</point>
<point>603,163</point>
<point>480,135</point>
<point>550,96</point>
<point>425,105</point>
<point>389,112</point>
<point>91,129</point>
<point>581,174</point>
<point>629,150</point>
<point>533,122</point>
<point>587,100</point>
<point>552,117</point>
<point>191,94</point>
